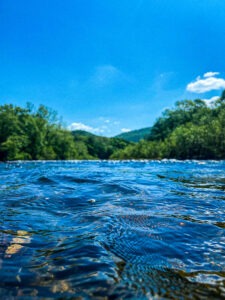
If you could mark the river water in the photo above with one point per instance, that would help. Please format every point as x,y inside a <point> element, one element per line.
<point>112,230</point>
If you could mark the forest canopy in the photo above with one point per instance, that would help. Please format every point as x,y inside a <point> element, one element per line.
<point>190,130</point>
<point>29,134</point>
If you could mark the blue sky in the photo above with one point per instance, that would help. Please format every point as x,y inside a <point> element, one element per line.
<point>110,66</point>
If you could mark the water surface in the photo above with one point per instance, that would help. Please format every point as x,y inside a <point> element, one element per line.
<point>112,230</point>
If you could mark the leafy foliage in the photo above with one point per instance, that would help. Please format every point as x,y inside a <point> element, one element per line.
<point>99,147</point>
<point>29,134</point>
<point>135,135</point>
<point>192,130</point>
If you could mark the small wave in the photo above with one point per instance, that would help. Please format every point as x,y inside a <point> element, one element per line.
<point>118,229</point>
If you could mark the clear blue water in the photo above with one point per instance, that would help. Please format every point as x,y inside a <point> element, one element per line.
<point>112,230</point>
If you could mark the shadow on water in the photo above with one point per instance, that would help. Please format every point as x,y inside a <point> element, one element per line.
<point>112,230</point>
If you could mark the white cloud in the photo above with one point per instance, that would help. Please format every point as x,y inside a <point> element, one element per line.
<point>211,101</point>
<point>116,122</point>
<point>102,126</point>
<point>109,75</point>
<point>105,75</point>
<point>206,84</point>
<point>125,130</point>
<point>210,74</point>
<point>81,126</point>
<point>214,98</point>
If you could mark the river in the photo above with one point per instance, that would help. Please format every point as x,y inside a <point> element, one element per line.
<point>112,230</point>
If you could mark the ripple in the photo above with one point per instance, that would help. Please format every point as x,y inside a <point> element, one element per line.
<point>112,229</point>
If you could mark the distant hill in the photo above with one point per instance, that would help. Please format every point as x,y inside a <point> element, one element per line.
<point>190,130</point>
<point>83,133</point>
<point>95,146</point>
<point>135,135</point>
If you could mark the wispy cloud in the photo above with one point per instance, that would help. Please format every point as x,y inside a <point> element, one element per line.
<point>81,126</point>
<point>211,100</point>
<point>116,122</point>
<point>125,130</point>
<point>102,126</point>
<point>208,83</point>
<point>106,75</point>
<point>210,74</point>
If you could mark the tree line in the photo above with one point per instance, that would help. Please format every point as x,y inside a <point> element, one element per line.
<point>29,134</point>
<point>190,130</point>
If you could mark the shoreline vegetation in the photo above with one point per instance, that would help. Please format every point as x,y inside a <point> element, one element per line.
<point>190,130</point>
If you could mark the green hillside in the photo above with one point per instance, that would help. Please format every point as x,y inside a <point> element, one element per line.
<point>190,130</point>
<point>135,135</point>
<point>97,147</point>
<point>35,134</point>
<point>83,133</point>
